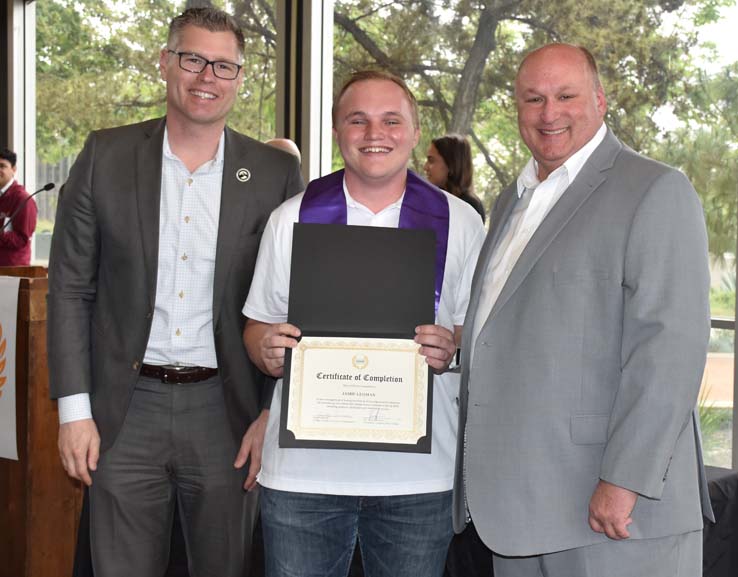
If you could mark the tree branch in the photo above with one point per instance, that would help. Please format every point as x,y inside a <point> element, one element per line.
<point>501,176</point>
<point>363,39</point>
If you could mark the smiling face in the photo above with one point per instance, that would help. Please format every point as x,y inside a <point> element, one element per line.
<point>200,99</point>
<point>375,131</point>
<point>560,104</point>
<point>436,169</point>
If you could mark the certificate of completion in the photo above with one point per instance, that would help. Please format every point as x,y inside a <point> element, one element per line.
<point>359,391</point>
<point>356,379</point>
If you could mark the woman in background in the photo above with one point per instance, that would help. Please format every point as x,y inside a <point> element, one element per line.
<point>449,167</point>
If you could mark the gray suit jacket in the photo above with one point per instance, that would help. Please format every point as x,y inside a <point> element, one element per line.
<point>589,364</point>
<point>103,267</point>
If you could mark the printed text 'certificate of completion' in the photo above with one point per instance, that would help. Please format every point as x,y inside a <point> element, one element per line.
<point>356,379</point>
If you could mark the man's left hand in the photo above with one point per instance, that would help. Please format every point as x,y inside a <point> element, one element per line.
<point>610,508</point>
<point>252,445</point>
<point>437,346</point>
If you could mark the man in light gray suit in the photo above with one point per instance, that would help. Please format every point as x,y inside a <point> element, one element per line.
<point>583,350</point>
<point>154,247</point>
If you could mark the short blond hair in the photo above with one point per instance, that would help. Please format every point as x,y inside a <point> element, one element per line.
<point>362,75</point>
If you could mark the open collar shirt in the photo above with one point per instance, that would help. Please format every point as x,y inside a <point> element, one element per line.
<point>182,326</point>
<point>535,200</point>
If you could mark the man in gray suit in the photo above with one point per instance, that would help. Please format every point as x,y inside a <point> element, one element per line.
<point>155,243</point>
<point>584,348</point>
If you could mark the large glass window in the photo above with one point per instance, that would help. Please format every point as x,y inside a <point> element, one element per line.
<point>671,76</point>
<point>97,67</point>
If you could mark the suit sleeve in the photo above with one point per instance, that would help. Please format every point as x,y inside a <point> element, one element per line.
<point>73,267</point>
<point>295,185</point>
<point>666,325</point>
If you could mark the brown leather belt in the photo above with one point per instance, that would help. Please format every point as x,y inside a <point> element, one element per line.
<point>177,375</point>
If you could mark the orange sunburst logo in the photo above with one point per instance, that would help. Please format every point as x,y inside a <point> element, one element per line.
<point>3,345</point>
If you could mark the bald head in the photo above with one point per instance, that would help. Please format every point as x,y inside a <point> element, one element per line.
<point>569,51</point>
<point>287,145</point>
<point>561,103</point>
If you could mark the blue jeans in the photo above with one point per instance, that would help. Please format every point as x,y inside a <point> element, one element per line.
<point>312,535</point>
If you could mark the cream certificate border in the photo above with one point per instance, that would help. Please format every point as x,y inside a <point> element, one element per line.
<point>369,390</point>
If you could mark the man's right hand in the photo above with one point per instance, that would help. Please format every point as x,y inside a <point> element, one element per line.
<point>266,344</point>
<point>79,448</point>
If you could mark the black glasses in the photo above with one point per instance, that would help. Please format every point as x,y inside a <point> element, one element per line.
<point>196,64</point>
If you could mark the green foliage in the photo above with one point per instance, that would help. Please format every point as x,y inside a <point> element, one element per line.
<point>721,340</point>
<point>713,422</point>
<point>97,67</point>
<point>722,303</point>
<point>644,66</point>
<point>44,225</point>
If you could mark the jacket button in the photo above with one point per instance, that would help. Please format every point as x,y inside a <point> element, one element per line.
<point>136,364</point>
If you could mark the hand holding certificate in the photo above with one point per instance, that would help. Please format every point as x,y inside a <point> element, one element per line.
<point>357,378</point>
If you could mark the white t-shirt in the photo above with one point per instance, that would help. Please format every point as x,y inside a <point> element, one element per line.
<point>353,472</point>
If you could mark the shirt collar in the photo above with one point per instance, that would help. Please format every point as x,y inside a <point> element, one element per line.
<point>350,201</point>
<point>5,188</point>
<point>528,178</point>
<point>216,160</point>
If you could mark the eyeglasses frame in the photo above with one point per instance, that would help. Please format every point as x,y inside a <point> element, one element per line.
<point>212,63</point>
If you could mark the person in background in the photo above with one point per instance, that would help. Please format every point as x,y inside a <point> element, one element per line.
<point>18,214</point>
<point>287,145</point>
<point>449,166</point>
<point>152,257</point>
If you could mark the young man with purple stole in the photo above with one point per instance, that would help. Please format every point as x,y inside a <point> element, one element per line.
<point>317,503</point>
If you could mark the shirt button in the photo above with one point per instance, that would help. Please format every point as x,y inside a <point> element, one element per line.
<point>178,332</point>
<point>187,219</point>
<point>189,182</point>
<point>181,294</point>
<point>184,256</point>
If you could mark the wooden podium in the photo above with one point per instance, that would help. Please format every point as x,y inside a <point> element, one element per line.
<point>39,504</point>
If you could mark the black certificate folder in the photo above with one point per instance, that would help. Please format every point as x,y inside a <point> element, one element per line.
<point>359,282</point>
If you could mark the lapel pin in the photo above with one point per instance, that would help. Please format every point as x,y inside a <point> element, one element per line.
<point>243,174</point>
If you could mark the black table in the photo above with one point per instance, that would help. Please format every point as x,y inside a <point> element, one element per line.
<point>720,552</point>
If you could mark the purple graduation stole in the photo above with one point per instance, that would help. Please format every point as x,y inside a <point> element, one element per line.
<point>423,206</point>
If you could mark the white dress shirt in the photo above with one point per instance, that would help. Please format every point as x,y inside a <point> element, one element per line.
<point>182,325</point>
<point>535,200</point>
<point>354,472</point>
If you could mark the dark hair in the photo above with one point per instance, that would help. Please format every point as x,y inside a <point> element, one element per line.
<point>363,75</point>
<point>456,153</point>
<point>9,155</point>
<point>208,18</point>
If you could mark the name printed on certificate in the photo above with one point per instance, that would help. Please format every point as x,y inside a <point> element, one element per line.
<point>368,390</point>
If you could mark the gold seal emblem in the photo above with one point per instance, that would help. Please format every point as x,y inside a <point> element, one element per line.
<point>360,361</point>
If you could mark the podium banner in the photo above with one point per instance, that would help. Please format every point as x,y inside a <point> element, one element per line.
<point>8,327</point>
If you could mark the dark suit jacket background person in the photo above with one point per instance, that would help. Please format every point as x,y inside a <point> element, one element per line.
<point>162,441</point>
<point>15,238</point>
<point>584,348</point>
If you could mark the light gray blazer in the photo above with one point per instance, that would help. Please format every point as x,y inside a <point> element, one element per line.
<point>103,267</point>
<point>589,364</point>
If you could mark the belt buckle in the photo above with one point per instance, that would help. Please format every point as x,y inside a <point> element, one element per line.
<point>171,375</point>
